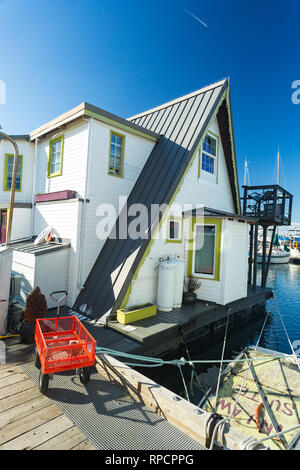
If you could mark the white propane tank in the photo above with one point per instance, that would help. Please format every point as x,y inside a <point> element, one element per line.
<point>5,275</point>
<point>179,281</point>
<point>166,281</point>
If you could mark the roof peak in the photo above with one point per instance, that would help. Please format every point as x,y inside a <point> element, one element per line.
<point>181,98</point>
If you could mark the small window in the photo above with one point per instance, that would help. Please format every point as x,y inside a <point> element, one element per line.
<point>8,172</point>
<point>204,253</point>
<point>174,231</point>
<point>116,155</point>
<point>55,157</point>
<point>209,154</point>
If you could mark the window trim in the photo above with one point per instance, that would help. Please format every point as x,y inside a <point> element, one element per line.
<point>123,137</point>
<point>191,254</point>
<point>216,158</point>
<point>5,188</point>
<point>180,221</point>
<point>51,142</point>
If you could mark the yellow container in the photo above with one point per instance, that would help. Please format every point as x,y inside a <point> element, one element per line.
<point>133,314</point>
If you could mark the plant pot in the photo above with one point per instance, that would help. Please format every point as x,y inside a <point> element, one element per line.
<point>189,298</point>
<point>27,332</point>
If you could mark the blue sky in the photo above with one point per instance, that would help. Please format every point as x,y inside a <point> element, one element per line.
<point>127,56</point>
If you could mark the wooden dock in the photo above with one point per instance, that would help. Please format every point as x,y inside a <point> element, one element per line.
<point>99,415</point>
<point>28,419</point>
<point>160,334</point>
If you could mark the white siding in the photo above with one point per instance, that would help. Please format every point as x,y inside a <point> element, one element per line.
<point>21,225</point>
<point>193,191</point>
<point>235,276</point>
<point>64,216</point>
<point>106,189</point>
<point>27,150</point>
<point>74,161</point>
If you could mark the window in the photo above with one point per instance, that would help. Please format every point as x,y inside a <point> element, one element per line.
<point>116,155</point>
<point>204,252</point>
<point>8,172</point>
<point>209,154</point>
<point>55,157</point>
<point>174,230</point>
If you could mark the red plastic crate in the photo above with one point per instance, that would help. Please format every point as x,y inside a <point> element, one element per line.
<point>63,344</point>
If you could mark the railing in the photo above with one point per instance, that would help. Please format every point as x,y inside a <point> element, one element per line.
<point>269,205</point>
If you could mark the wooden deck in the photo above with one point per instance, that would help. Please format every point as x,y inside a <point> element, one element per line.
<point>28,419</point>
<point>160,334</point>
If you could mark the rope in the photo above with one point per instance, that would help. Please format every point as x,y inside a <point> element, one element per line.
<point>184,383</point>
<point>194,373</point>
<point>247,445</point>
<point>222,359</point>
<point>227,420</point>
<point>287,335</point>
<point>249,365</point>
<point>157,362</point>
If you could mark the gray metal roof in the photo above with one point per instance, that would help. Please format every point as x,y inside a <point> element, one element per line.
<point>17,137</point>
<point>182,124</point>
<point>88,110</point>
<point>207,212</point>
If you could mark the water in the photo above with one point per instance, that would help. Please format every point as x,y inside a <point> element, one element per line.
<point>285,282</point>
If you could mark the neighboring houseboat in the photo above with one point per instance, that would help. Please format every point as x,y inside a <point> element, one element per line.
<point>22,223</point>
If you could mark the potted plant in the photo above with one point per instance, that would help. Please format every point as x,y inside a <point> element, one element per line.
<point>36,307</point>
<point>189,295</point>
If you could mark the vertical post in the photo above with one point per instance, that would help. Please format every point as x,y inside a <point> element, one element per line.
<point>263,268</point>
<point>250,254</point>
<point>245,200</point>
<point>255,255</point>
<point>269,257</point>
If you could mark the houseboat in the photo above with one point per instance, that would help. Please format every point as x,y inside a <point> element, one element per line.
<point>118,204</point>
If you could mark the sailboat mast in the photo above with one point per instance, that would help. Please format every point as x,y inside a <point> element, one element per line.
<point>278,165</point>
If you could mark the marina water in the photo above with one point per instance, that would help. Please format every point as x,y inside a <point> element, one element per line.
<point>284,279</point>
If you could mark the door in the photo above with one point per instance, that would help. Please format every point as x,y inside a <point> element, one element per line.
<point>3,220</point>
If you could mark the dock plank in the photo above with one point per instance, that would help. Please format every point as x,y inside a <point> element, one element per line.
<point>16,388</point>
<point>23,409</point>
<point>9,371</point>
<point>66,440</point>
<point>12,379</point>
<point>31,439</point>
<point>85,445</point>
<point>28,423</point>
<point>19,398</point>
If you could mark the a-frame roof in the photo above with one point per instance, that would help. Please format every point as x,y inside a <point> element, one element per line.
<point>182,124</point>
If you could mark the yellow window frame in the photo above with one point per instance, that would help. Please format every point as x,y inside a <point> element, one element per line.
<point>217,266</point>
<point>7,156</point>
<point>122,137</point>
<point>180,221</point>
<point>53,141</point>
<point>216,174</point>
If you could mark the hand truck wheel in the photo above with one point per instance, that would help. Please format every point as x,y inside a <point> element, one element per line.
<point>84,374</point>
<point>36,359</point>
<point>43,382</point>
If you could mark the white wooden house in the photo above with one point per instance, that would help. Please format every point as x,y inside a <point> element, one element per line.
<point>22,225</point>
<point>181,155</point>
<point>72,178</point>
<point>193,164</point>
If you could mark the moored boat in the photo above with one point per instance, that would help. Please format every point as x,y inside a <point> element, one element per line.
<point>277,257</point>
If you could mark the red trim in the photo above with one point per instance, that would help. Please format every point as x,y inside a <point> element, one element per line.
<point>56,196</point>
